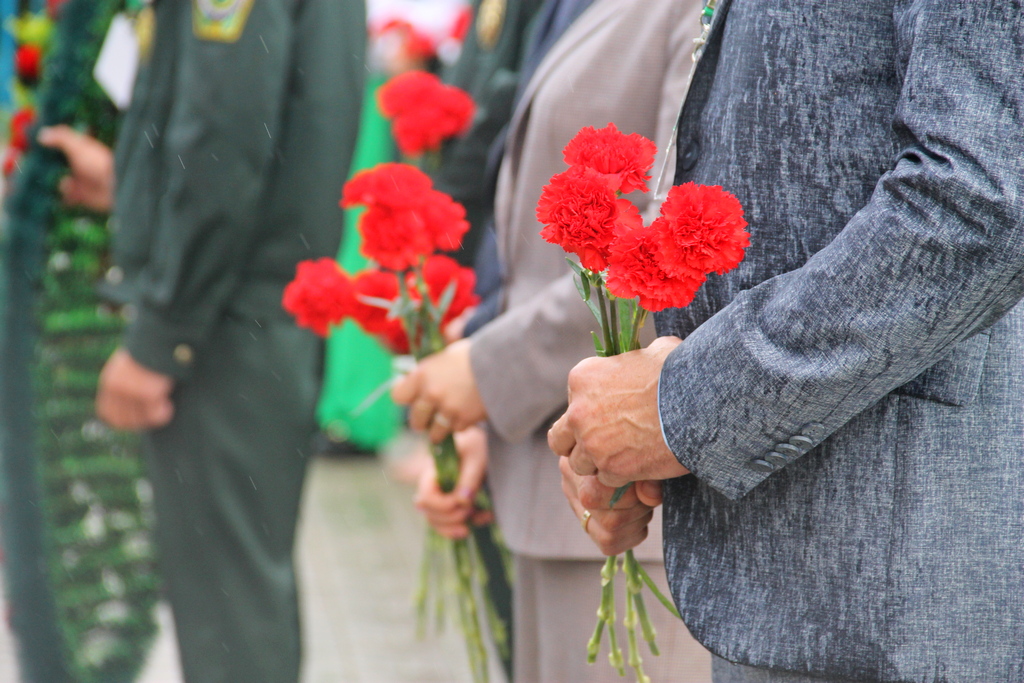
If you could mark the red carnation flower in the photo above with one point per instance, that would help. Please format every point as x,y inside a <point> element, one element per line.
<point>21,121</point>
<point>439,272</point>
<point>28,62</point>
<point>392,185</point>
<point>703,229</point>
<point>321,295</point>
<point>424,111</point>
<point>395,239</point>
<point>625,159</point>
<point>406,218</point>
<point>375,319</point>
<point>444,220</point>
<point>396,228</point>
<point>582,214</point>
<point>635,269</point>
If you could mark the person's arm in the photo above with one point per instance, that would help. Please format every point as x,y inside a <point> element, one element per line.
<point>934,258</point>
<point>217,148</point>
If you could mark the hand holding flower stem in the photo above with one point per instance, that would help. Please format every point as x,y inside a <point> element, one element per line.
<point>625,270</point>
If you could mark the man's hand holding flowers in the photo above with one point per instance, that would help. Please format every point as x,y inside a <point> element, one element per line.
<point>610,435</point>
<point>613,528</point>
<point>612,428</point>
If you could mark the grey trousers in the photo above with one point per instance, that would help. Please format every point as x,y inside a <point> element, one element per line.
<point>724,671</point>
<point>555,604</point>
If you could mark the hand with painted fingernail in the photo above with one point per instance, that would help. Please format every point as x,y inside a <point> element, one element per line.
<point>452,514</point>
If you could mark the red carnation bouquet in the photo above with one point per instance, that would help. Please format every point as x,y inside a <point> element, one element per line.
<point>406,301</point>
<point>627,269</point>
<point>424,112</point>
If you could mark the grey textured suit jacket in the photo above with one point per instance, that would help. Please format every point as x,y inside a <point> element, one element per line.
<point>851,399</point>
<point>521,360</point>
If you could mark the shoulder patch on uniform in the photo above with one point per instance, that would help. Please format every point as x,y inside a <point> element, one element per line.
<point>220,20</point>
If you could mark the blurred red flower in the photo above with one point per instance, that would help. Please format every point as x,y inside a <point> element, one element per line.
<point>406,218</point>
<point>581,213</point>
<point>373,288</point>
<point>625,159</point>
<point>28,62</point>
<point>439,272</point>
<point>21,121</point>
<point>321,295</point>
<point>424,112</point>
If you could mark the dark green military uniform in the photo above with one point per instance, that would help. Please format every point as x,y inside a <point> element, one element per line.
<point>230,166</point>
<point>488,69</point>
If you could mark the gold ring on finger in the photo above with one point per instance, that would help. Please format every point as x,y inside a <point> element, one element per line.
<point>585,520</point>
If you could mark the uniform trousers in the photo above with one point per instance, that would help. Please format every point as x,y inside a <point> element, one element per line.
<point>227,474</point>
<point>724,671</point>
<point>555,606</point>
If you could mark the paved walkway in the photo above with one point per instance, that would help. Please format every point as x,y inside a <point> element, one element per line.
<point>359,550</point>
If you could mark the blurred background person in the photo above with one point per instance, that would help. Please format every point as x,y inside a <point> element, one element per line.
<point>229,168</point>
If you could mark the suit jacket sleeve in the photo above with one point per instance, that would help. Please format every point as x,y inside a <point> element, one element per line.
<point>544,338</point>
<point>934,258</point>
<point>217,147</point>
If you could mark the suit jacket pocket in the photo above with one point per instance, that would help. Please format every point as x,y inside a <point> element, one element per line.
<point>954,380</point>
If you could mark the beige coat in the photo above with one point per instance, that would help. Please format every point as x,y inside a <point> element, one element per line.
<point>622,61</point>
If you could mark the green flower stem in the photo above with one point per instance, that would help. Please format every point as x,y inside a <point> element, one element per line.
<point>621,322</point>
<point>466,571</point>
<point>446,461</point>
<point>606,329</point>
<point>657,593</point>
<point>639,318</point>
<point>451,569</point>
<point>613,323</point>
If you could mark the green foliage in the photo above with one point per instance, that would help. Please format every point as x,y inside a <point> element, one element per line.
<point>95,500</point>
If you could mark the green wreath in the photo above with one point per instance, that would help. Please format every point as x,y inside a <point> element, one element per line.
<point>81,575</point>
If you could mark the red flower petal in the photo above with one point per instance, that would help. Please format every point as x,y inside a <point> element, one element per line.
<point>704,229</point>
<point>625,159</point>
<point>321,295</point>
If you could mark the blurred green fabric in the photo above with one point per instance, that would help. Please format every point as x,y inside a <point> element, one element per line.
<point>356,365</point>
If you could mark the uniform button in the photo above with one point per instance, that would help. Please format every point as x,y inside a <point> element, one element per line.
<point>690,155</point>
<point>813,430</point>
<point>759,465</point>
<point>114,275</point>
<point>802,442</point>
<point>183,354</point>
<point>789,450</point>
<point>777,459</point>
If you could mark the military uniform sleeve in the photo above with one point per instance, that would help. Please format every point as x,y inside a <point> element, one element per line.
<point>216,151</point>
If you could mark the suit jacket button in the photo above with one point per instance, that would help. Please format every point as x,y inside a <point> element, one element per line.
<point>802,442</point>
<point>688,159</point>
<point>789,450</point>
<point>777,459</point>
<point>183,354</point>
<point>759,465</point>
<point>813,430</point>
